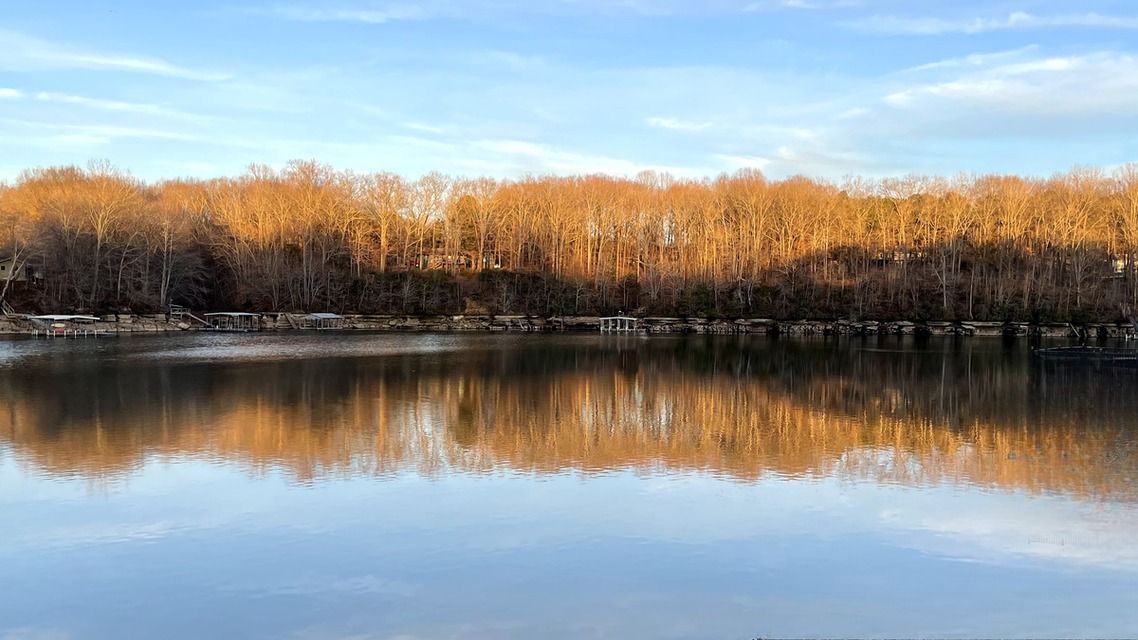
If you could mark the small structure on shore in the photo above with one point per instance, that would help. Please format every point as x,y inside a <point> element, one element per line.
<point>12,270</point>
<point>322,321</point>
<point>620,324</point>
<point>64,325</point>
<point>66,318</point>
<point>238,321</point>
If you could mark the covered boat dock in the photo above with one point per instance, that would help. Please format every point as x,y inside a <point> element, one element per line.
<point>322,321</point>
<point>63,325</point>
<point>620,324</point>
<point>237,321</point>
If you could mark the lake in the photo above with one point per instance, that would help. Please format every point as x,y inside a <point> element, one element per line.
<point>562,486</point>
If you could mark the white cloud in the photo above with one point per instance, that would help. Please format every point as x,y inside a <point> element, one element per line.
<point>506,60</point>
<point>900,98</point>
<point>675,124</point>
<point>33,633</point>
<point>392,13</point>
<point>796,133</point>
<point>380,13</point>
<point>425,128</point>
<point>974,60</point>
<point>1104,83</point>
<point>1058,531</point>
<point>1013,21</point>
<point>24,53</point>
<point>112,105</point>
<point>820,160</point>
<point>10,94</point>
<point>544,159</point>
<point>82,137</point>
<point>853,113</point>
<point>810,5</point>
<point>76,140</point>
<point>736,162</point>
<point>112,132</point>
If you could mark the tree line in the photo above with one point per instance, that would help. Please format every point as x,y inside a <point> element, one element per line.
<point>309,237</point>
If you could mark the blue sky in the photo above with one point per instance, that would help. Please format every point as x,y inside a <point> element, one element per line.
<point>825,88</point>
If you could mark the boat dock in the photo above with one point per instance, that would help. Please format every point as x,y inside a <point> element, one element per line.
<point>619,324</point>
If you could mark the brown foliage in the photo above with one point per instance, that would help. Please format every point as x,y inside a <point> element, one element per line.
<point>310,237</point>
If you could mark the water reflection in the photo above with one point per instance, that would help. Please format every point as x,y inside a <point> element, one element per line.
<point>467,487</point>
<point>972,413</point>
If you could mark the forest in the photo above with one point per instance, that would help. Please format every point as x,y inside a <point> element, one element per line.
<point>309,237</point>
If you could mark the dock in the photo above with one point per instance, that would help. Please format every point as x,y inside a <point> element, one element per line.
<point>65,326</point>
<point>234,321</point>
<point>619,324</point>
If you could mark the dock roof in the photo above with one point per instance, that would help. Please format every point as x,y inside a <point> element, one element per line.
<point>66,318</point>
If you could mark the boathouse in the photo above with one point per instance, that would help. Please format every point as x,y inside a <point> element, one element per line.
<point>234,321</point>
<point>620,324</point>
<point>63,325</point>
<point>322,321</point>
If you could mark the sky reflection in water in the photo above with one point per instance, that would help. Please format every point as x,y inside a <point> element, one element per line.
<point>332,486</point>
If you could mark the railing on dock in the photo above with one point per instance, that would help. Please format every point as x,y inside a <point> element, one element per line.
<point>183,314</point>
<point>620,324</point>
<point>69,333</point>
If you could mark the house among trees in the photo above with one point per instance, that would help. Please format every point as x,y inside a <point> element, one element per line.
<point>11,270</point>
<point>1119,265</point>
<point>886,258</point>
<point>444,262</point>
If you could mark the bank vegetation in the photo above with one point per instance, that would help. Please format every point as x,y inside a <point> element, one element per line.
<point>309,237</point>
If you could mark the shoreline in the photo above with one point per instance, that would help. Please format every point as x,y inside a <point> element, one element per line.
<point>659,325</point>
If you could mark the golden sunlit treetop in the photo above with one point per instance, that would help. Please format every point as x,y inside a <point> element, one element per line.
<point>312,238</point>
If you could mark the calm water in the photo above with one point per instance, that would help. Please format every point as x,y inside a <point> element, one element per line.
<point>418,486</point>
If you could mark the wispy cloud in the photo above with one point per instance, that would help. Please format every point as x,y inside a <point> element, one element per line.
<point>542,158</point>
<point>377,12</point>
<point>509,60</point>
<point>10,94</point>
<point>425,128</point>
<point>394,12</point>
<point>675,124</point>
<point>974,60</point>
<point>1056,530</point>
<point>57,134</point>
<point>23,53</point>
<point>809,5</point>
<point>33,633</point>
<point>819,160</point>
<point>736,162</point>
<point>1092,84</point>
<point>114,105</point>
<point>925,26</point>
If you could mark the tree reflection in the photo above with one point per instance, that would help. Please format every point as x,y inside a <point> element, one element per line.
<point>744,408</point>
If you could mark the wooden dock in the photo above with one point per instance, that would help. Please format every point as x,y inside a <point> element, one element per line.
<point>620,324</point>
